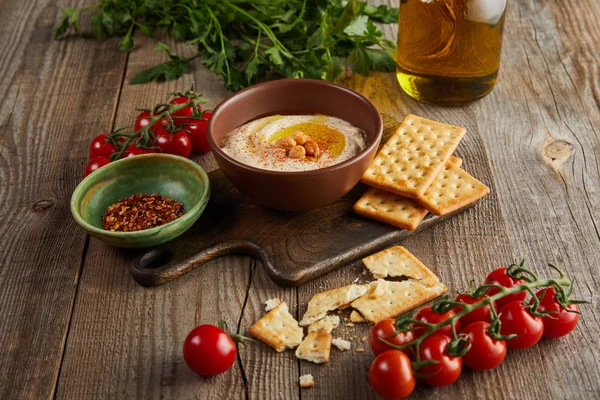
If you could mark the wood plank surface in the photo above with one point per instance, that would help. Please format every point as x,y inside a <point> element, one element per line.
<point>51,92</point>
<point>540,128</point>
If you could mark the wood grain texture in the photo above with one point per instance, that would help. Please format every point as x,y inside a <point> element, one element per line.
<point>45,108</point>
<point>125,340</point>
<point>541,126</point>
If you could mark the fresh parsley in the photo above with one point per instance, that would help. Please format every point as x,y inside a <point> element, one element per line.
<point>247,41</point>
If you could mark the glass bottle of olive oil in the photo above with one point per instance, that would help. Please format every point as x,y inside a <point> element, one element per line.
<point>449,50</point>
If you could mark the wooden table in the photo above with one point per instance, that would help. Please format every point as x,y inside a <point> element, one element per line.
<point>74,324</point>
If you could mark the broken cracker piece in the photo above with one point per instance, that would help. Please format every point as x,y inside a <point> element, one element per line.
<point>413,156</point>
<point>379,287</point>
<point>327,324</point>
<point>341,344</point>
<point>398,299</point>
<point>356,317</point>
<point>315,347</point>
<point>396,262</point>
<point>307,381</point>
<point>452,190</point>
<point>271,304</point>
<point>278,329</point>
<point>330,300</point>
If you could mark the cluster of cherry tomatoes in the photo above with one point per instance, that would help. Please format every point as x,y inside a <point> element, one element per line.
<point>189,135</point>
<point>391,373</point>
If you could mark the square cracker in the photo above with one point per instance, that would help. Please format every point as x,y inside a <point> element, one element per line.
<point>397,261</point>
<point>330,300</point>
<point>398,299</point>
<point>413,156</point>
<point>389,208</point>
<point>278,329</point>
<point>315,347</point>
<point>327,324</point>
<point>452,190</point>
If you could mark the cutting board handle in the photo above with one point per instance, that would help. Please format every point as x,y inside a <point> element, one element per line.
<point>154,268</point>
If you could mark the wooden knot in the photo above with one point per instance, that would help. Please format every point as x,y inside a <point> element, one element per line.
<point>556,152</point>
<point>43,205</point>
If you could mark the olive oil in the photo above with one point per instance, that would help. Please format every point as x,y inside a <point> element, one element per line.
<point>327,138</point>
<point>449,50</point>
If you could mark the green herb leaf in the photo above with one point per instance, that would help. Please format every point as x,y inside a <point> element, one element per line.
<point>358,26</point>
<point>98,26</point>
<point>61,28</point>
<point>381,60</point>
<point>126,44</point>
<point>360,60</point>
<point>166,71</point>
<point>381,13</point>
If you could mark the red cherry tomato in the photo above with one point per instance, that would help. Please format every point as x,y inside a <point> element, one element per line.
<point>448,368</point>
<point>208,350</point>
<point>99,147</point>
<point>485,352</point>
<point>184,112</point>
<point>385,329</point>
<point>501,278</point>
<point>136,151</point>
<point>479,314</point>
<point>560,322</point>
<point>426,314</point>
<point>94,164</point>
<point>178,143</point>
<point>391,375</point>
<point>144,119</point>
<point>516,319</point>
<point>197,131</point>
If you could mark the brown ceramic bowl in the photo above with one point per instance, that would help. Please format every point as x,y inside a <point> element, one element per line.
<point>295,191</point>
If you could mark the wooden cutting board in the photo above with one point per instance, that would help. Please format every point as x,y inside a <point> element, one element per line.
<point>293,247</point>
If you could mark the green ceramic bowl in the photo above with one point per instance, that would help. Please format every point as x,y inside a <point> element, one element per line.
<point>172,176</point>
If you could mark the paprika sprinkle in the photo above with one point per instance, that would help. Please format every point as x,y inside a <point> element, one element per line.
<point>139,212</point>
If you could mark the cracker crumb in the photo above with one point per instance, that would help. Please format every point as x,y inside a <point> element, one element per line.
<point>341,344</point>
<point>307,381</point>
<point>360,349</point>
<point>349,324</point>
<point>363,339</point>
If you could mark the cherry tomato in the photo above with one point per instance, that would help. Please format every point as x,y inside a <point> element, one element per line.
<point>144,119</point>
<point>391,375</point>
<point>136,151</point>
<point>100,147</point>
<point>485,352</point>
<point>479,314</point>
<point>560,322</point>
<point>197,130</point>
<point>516,319</point>
<point>448,368</point>
<point>184,112</point>
<point>500,277</point>
<point>94,164</point>
<point>426,314</point>
<point>385,329</point>
<point>178,143</point>
<point>208,350</point>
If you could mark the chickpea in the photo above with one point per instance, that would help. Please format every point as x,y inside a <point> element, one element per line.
<point>312,148</point>
<point>286,143</point>
<point>300,137</point>
<point>297,152</point>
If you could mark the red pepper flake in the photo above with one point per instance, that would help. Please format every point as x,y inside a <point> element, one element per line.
<point>139,212</point>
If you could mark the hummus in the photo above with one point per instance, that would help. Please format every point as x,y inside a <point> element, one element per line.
<point>320,141</point>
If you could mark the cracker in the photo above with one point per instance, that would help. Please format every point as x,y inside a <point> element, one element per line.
<point>379,287</point>
<point>341,344</point>
<point>392,209</point>
<point>278,329</point>
<point>315,347</point>
<point>356,317</point>
<point>396,262</point>
<point>330,300</point>
<point>327,324</point>
<point>271,304</point>
<point>307,381</point>
<point>398,299</point>
<point>413,156</point>
<point>452,190</point>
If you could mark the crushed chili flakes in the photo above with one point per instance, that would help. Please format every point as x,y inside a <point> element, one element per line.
<point>139,212</point>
